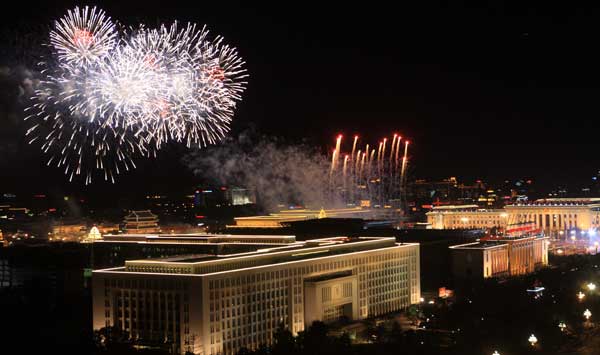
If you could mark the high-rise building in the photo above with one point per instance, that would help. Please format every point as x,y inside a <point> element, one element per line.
<point>217,304</point>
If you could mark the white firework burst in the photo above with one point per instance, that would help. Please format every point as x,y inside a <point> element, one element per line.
<point>106,100</point>
<point>83,36</point>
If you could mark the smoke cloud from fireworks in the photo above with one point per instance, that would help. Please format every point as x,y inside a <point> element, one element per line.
<point>281,174</point>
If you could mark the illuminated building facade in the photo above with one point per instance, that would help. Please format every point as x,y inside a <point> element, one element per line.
<point>466,217</point>
<point>499,257</point>
<point>553,215</point>
<point>277,220</point>
<point>66,232</point>
<point>211,304</point>
<point>549,215</point>
<point>3,241</point>
<point>141,222</point>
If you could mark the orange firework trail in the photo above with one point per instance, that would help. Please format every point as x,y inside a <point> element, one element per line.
<point>392,147</point>
<point>397,150</point>
<point>336,154</point>
<point>345,169</point>
<point>357,162</point>
<point>333,156</point>
<point>404,162</point>
<point>354,147</point>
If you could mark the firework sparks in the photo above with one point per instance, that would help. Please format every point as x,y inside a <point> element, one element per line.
<point>83,36</point>
<point>106,98</point>
<point>377,175</point>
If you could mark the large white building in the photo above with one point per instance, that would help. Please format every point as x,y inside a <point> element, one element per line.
<point>550,215</point>
<point>558,214</point>
<point>499,257</point>
<point>466,217</point>
<point>217,304</point>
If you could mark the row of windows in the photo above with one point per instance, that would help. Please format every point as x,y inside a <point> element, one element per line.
<point>154,284</point>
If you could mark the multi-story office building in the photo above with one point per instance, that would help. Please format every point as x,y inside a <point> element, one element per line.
<point>217,304</point>
<point>496,257</point>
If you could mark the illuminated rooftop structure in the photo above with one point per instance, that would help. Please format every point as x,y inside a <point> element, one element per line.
<point>584,201</point>
<point>277,220</point>
<point>195,238</point>
<point>141,222</point>
<point>115,249</point>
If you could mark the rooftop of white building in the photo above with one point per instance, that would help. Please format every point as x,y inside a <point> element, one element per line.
<point>207,264</point>
<point>584,201</point>
<point>195,238</point>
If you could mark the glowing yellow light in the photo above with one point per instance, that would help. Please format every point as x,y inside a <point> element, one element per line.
<point>562,326</point>
<point>532,340</point>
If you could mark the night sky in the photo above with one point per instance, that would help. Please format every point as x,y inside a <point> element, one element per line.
<point>489,91</point>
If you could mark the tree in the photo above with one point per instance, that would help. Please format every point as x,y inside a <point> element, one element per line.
<point>315,340</point>
<point>284,342</point>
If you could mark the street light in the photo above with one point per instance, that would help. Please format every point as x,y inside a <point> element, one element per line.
<point>587,314</point>
<point>532,340</point>
<point>496,352</point>
<point>591,286</point>
<point>580,295</point>
<point>562,326</point>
